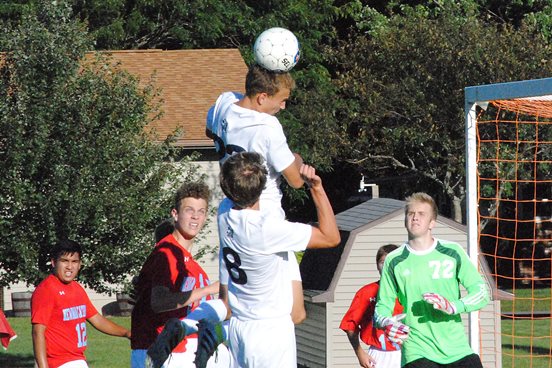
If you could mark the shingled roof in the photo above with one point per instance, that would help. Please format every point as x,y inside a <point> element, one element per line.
<point>190,81</point>
<point>367,212</point>
<point>319,266</point>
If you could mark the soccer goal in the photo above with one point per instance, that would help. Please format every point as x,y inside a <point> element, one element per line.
<point>509,209</point>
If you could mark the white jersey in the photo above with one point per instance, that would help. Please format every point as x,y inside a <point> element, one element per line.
<point>254,252</point>
<point>237,129</point>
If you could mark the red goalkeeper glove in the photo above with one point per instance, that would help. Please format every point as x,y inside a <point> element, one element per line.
<point>396,331</point>
<point>440,303</point>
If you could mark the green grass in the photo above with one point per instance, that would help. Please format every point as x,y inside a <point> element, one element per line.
<point>528,300</point>
<point>529,348</point>
<point>103,351</point>
<point>526,342</point>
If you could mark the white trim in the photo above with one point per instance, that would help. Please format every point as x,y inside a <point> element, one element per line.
<point>472,212</point>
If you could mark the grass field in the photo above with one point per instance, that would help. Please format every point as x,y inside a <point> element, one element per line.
<point>529,348</point>
<point>103,351</point>
<point>526,343</point>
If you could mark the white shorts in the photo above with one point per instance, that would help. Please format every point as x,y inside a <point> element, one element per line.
<point>74,364</point>
<point>263,343</point>
<point>385,358</point>
<point>221,358</point>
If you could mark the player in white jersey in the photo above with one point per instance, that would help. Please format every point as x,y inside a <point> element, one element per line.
<point>253,270</point>
<point>239,123</point>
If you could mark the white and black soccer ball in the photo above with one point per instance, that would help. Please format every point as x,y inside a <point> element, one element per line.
<point>276,49</point>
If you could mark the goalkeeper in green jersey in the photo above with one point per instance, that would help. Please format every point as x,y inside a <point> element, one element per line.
<point>425,275</point>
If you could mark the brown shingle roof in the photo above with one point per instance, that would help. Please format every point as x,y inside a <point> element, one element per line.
<point>190,82</point>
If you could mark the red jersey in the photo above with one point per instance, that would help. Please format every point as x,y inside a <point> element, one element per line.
<point>63,309</point>
<point>172,266</point>
<point>360,316</point>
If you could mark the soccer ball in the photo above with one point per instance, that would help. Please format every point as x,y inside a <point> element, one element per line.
<point>276,49</point>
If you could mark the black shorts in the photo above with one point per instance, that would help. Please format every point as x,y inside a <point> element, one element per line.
<point>469,361</point>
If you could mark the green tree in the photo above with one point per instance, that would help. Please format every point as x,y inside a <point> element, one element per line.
<point>75,159</point>
<point>177,24</point>
<point>400,91</point>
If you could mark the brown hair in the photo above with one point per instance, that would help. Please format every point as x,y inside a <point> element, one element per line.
<point>384,250</point>
<point>194,189</point>
<point>243,178</point>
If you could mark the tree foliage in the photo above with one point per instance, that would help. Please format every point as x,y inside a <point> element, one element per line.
<point>75,159</point>
<point>400,87</point>
<point>176,24</point>
<point>380,84</point>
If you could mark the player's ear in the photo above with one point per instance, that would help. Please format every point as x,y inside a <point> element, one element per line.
<point>174,214</point>
<point>261,98</point>
<point>432,224</point>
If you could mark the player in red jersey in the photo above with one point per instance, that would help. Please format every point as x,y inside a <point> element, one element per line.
<point>59,310</point>
<point>171,283</point>
<point>358,322</point>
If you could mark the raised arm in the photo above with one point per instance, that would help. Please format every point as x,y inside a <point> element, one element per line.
<point>326,235</point>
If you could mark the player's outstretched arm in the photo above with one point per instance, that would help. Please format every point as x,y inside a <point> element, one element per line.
<point>106,326</point>
<point>39,345</point>
<point>326,235</point>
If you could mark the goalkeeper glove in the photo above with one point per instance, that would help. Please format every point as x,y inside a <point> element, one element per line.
<point>440,303</point>
<point>396,331</point>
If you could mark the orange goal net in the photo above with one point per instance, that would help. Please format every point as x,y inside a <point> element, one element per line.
<point>510,214</point>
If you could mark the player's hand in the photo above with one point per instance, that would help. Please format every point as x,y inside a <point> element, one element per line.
<point>365,360</point>
<point>440,303</point>
<point>308,173</point>
<point>395,330</point>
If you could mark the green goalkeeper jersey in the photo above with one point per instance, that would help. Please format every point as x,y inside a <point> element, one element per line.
<point>407,275</point>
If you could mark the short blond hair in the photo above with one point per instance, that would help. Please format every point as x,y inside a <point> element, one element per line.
<point>422,198</point>
<point>259,80</point>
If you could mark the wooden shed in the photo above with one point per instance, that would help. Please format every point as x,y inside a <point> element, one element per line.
<point>332,277</point>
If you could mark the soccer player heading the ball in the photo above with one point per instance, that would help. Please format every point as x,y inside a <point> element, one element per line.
<point>247,123</point>
<point>425,275</point>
